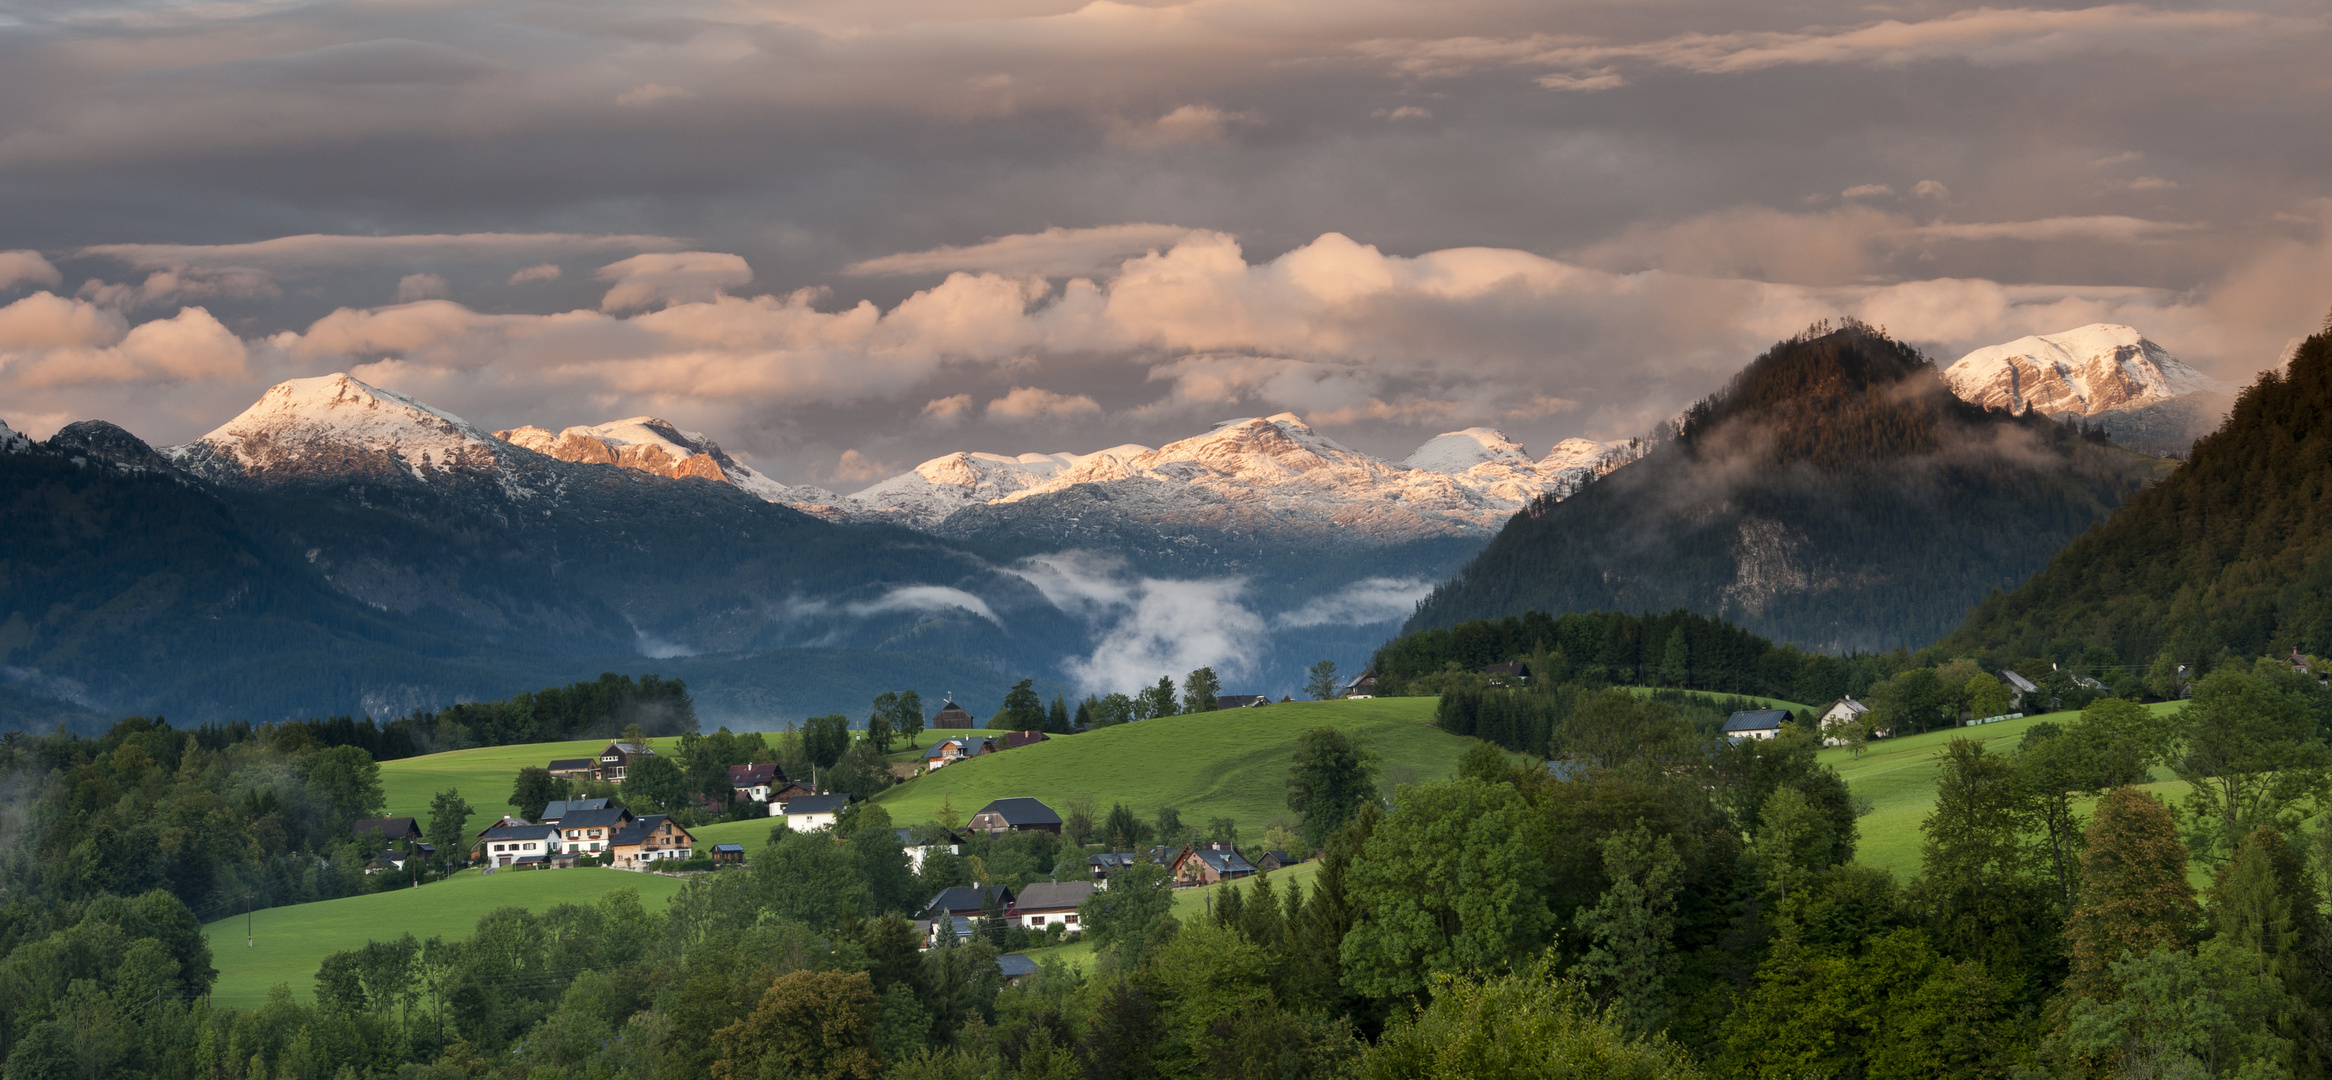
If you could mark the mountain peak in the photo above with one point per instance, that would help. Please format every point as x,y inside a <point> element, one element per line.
<point>2087,370</point>
<point>1457,451</point>
<point>12,442</point>
<point>333,425</point>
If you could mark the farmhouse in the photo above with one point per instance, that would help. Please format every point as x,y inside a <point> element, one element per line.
<point>575,768</point>
<point>968,901</point>
<point>2018,688</point>
<point>1045,903</point>
<point>589,832</point>
<point>616,760</point>
<point>1207,865</point>
<point>803,813</point>
<point>1241,701</point>
<point>1109,863</point>
<point>952,715</point>
<point>929,930</point>
<point>947,752</point>
<point>395,830</point>
<point>1845,713</point>
<point>1277,860</point>
<point>512,842</point>
<point>916,850</point>
<point>1016,815</point>
<point>755,781</point>
<point>650,839</point>
<point>1755,724</point>
<point>1363,685</point>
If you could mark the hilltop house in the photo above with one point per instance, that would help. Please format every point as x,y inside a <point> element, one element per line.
<point>947,752</point>
<point>651,839</point>
<point>1241,701</point>
<point>805,812</point>
<point>513,842</point>
<point>1755,724</point>
<point>589,832</point>
<point>1046,903</point>
<point>952,715</point>
<point>1014,740</point>
<point>1363,685</point>
<point>1015,815</point>
<point>1846,712</point>
<point>575,768</point>
<point>755,781</point>
<point>616,760</point>
<point>2020,689</point>
<point>556,809</point>
<point>1197,865</point>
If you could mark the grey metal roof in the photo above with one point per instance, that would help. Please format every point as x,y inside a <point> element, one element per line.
<point>816,804</point>
<point>972,898</point>
<point>606,817</point>
<point>1023,811</point>
<point>1054,895</point>
<point>1757,720</point>
<point>1014,965</point>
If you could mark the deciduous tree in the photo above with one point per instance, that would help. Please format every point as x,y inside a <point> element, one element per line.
<point>1320,683</point>
<point>1450,881</point>
<point>449,824</point>
<point>2134,894</point>
<point>811,1025</point>
<point>1200,690</point>
<point>1330,780</point>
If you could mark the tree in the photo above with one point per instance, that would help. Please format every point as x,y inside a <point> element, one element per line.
<point>1793,840</point>
<point>2166,677</point>
<point>908,720</point>
<point>1133,917</point>
<point>1156,701</point>
<point>1023,710</point>
<point>2134,894</point>
<point>1321,684</point>
<point>654,784</point>
<point>1478,846</point>
<point>812,878</point>
<point>1484,762</point>
<point>344,784</point>
<point>862,773</point>
<point>1200,690</point>
<point>1913,701</point>
<point>1676,660</point>
<point>449,824</point>
<point>881,722</point>
<point>814,1025</point>
<point>824,738</point>
<point>1631,928</point>
<point>536,788</point>
<point>1112,709</point>
<point>1122,830</point>
<point>1528,1024</point>
<point>2173,1013</point>
<point>2254,760</point>
<point>1988,696</point>
<point>2056,766</point>
<point>1331,779</point>
<point>1057,720</point>
<point>1977,870</point>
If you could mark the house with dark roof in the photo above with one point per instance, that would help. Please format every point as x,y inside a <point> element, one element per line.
<point>967,901</point>
<point>947,752</point>
<point>1015,815</point>
<point>1241,701</point>
<point>1277,860</point>
<point>1049,903</point>
<point>803,813</point>
<point>395,830</point>
<point>1755,724</point>
<point>559,808</point>
<point>1363,685</point>
<point>1014,740</point>
<point>2018,688</point>
<point>515,842</point>
<point>952,715</point>
<point>616,760</point>
<point>1015,966</point>
<point>589,832</point>
<point>1510,671</point>
<point>651,839</point>
<point>1208,864</point>
<point>919,847</point>
<point>1109,863</point>
<point>755,782</point>
<point>729,853</point>
<point>931,931</point>
<point>575,768</point>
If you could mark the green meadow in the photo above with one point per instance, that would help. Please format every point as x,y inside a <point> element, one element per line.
<point>288,943</point>
<point>484,776</point>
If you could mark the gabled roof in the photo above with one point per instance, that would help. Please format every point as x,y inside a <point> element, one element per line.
<point>816,804</point>
<point>519,830</point>
<point>2017,682</point>
<point>559,809</point>
<point>1053,895</point>
<point>635,749</point>
<point>573,764</point>
<point>1853,707</point>
<point>1015,739</point>
<point>1110,860</point>
<point>1757,720</point>
<point>1022,811</point>
<point>1241,701</point>
<point>951,711</point>
<point>606,817</point>
<point>972,898</point>
<point>1224,860</point>
<point>729,849</point>
<point>1565,770</point>
<point>394,828</point>
<point>754,775</point>
<point>1014,965</point>
<point>639,831</point>
<point>1512,667</point>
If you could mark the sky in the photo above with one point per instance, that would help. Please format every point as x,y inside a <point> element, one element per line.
<point>844,237</point>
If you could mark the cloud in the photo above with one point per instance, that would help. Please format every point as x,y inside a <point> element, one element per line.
<point>320,251</point>
<point>2112,228</point>
<point>1147,627</point>
<point>1362,603</point>
<point>671,277</point>
<point>27,268</point>
<point>48,341</point>
<point>1405,112</point>
<point>1032,403</point>
<point>1585,82</point>
<point>947,411</point>
<point>1055,252</point>
<point>1184,124</point>
<point>537,272</point>
<point>183,283</point>
<point>1868,191</point>
<point>413,287</point>
<point>650,93</point>
<point>857,468</point>
<point>934,598</point>
<point>1930,189</point>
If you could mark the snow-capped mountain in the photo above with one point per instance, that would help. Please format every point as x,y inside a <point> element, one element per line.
<point>2097,368</point>
<point>656,447</point>
<point>334,426</point>
<point>11,442</point>
<point>936,489</point>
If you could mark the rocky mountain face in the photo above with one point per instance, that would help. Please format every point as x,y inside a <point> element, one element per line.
<point>647,444</point>
<point>2107,374</point>
<point>1835,495</point>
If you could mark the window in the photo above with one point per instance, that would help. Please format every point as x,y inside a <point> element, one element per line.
<point>1036,920</point>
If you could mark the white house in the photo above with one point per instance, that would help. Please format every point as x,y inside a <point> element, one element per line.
<point>1045,903</point>
<point>806,812</point>
<point>1755,724</point>
<point>1846,713</point>
<point>512,842</point>
<point>916,852</point>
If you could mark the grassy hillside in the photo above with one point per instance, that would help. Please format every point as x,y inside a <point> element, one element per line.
<point>289,942</point>
<point>484,776</point>
<point>1714,698</point>
<point>1225,764</point>
<point>1898,777</point>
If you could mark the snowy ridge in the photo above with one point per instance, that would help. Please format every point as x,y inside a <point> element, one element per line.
<point>654,446</point>
<point>334,425</point>
<point>12,442</point>
<point>2097,368</point>
<point>931,492</point>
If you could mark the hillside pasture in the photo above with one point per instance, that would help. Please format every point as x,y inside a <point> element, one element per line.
<point>483,775</point>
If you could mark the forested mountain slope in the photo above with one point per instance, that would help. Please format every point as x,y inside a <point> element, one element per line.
<point>1835,495</point>
<point>2231,552</point>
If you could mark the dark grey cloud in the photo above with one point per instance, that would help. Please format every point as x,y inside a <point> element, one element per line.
<point>1562,219</point>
